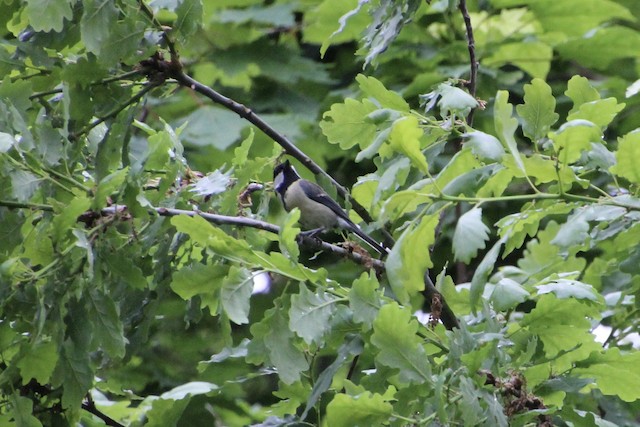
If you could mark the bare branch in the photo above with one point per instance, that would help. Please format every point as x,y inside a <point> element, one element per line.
<point>471,46</point>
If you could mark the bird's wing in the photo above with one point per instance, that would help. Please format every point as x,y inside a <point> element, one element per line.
<point>317,194</point>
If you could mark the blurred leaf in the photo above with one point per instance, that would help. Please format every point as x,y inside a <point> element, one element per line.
<point>616,374</point>
<point>310,313</point>
<point>108,330</point>
<point>288,360</point>
<point>628,151</point>
<point>366,409</point>
<point>561,324</point>
<point>508,293</point>
<point>22,412</point>
<point>405,138</point>
<point>612,43</point>
<point>46,15</point>
<point>532,57</point>
<point>482,272</point>
<point>470,235</point>
<point>235,293</point>
<point>345,124</point>
<point>564,288</point>
<point>39,362</point>
<point>486,147</point>
<point>506,126</point>
<point>395,336</point>
<point>364,299</point>
<point>409,258</point>
<point>215,182</point>
<point>189,17</point>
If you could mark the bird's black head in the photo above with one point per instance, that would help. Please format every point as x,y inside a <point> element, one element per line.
<point>283,176</point>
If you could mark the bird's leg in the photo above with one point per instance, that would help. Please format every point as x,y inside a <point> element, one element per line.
<point>312,233</point>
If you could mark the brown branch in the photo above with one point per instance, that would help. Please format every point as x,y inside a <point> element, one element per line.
<point>90,407</point>
<point>445,313</point>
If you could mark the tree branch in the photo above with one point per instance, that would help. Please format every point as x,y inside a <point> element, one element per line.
<point>471,46</point>
<point>90,407</point>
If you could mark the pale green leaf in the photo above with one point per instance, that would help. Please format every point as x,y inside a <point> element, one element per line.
<point>288,360</point>
<point>405,138</point>
<point>410,258</point>
<point>373,88</point>
<point>538,110</point>
<point>612,43</point>
<point>470,235</point>
<point>39,362</point>
<point>235,293</point>
<point>627,157</point>
<point>564,288</point>
<point>48,15</point>
<point>310,313</point>
<point>346,124</point>
<point>367,409</point>
<point>365,298</point>
<point>573,138</point>
<point>486,147</point>
<point>601,112</point>
<point>508,293</point>
<point>506,126</point>
<point>616,374</point>
<point>482,272</point>
<point>531,56</point>
<point>95,24</point>
<point>561,324</point>
<point>580,91</point>
<point>395,336</point>
<point>23,411</point>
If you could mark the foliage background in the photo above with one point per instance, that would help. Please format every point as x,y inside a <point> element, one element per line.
<point>526,217</point>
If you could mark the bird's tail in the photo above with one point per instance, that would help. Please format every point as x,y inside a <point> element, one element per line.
<point>365,237</point>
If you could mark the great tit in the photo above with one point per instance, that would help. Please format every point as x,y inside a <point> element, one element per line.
<point>318,211</point>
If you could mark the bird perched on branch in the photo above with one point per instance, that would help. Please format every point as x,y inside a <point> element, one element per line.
<point>318,210</point>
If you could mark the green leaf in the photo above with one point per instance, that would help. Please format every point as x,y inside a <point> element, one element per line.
<point>346,124</point>
<point>95,24</point>
<point>482,272</point>
<point>22,410</point>
<point>612,43</point>
<point>626,157</point>
<point>48,15</point>
<point>23,185</point>
<point>601,112</point>
<point>395,336</point>
<point>508,293</point>
<point>189,17</point>
<point>506,126</point>
<point>532,57</point>
<point>573,138</point>
<point>538,110</point>
<point>322,20</point>
<point>615,374</point>
<point>469,236</point>
<point>350,348</point>
<point>288,360</point>
<point>410,258</point>
<point>67,217</point>
<point>288,235</point>
<point>405,138</point>
<point>39,362</point>
<point>452,100</point>
<point>580,91</point>
<point>310,313</point>
<point>564,288</point>
<point>486,147</point>
<point>202,280</point>
<point>213,183</point>
<point>366,409</point>
<point>108,330</point>
<point>7,141</point>
<point>373,88</point>
<point>235,294</point>
<point>74,369</point>
<point>364,299</point>
<point>561,324</point>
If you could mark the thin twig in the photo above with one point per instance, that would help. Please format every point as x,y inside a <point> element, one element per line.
<point>90,407</point>
<point>135,98</point>
<point>471,46</point>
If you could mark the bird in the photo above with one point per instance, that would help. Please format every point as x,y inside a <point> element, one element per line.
<point>318,210</point>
